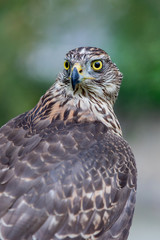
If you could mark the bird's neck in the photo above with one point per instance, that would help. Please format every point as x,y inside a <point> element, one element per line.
<point>96,109</point>
<point>103,112</point>
<point>60,104</point>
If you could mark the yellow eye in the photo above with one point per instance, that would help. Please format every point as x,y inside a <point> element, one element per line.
<point>97,65</point>
<point>66,65</point>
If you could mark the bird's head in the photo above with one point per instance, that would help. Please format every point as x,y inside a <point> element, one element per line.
<point>89,70</point>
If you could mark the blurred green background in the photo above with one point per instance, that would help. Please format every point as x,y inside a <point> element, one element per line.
<point>34,37</point>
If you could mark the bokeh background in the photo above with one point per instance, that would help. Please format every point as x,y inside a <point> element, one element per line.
<point>34,37</point>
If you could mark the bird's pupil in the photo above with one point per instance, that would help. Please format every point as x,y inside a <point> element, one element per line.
<point>67,65</point>
<point>97,64</point>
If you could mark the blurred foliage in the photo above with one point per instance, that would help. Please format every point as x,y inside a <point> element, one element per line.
<point>127,30</point>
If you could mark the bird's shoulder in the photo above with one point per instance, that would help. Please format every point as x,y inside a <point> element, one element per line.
<point>51,142</point>
<point>64,171</point>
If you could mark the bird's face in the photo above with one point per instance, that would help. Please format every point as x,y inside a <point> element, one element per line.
<point>90,69</point>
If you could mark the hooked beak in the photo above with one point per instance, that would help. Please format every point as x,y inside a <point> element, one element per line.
<point>75,78</point>
<point>77,75</point>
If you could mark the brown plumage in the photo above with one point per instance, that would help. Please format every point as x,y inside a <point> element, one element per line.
<point>65,170</point>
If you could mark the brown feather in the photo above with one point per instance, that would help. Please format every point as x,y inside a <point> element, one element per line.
<point>65,170</point>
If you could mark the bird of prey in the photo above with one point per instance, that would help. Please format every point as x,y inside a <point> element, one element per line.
<point>65,170</point>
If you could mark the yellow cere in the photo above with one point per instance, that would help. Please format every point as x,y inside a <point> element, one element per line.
<point>97,65</point>
<point>66,65</point>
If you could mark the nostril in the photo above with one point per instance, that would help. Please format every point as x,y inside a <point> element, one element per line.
<point>80,71</point>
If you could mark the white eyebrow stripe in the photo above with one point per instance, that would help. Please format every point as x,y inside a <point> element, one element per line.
<point>83,51</point>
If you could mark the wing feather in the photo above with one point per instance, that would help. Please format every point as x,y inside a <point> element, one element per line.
<point>64,181</point>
